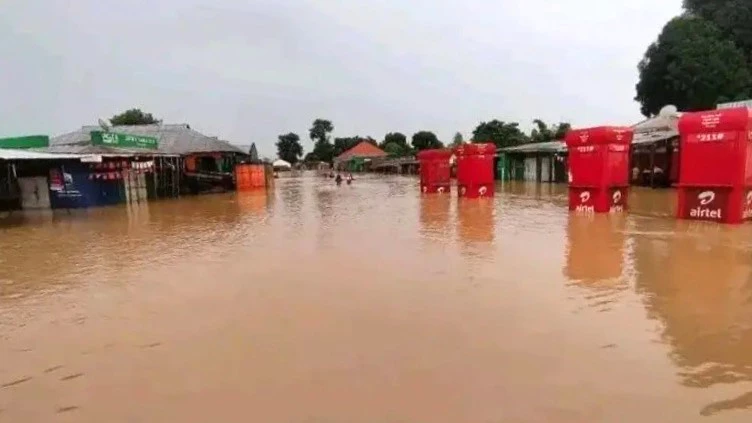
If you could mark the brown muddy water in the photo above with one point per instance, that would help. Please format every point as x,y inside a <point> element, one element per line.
<point>370,303</point>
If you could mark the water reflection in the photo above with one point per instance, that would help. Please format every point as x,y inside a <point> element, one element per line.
<point>476,225</point>
<point>697,281</point>
<point>435,216</point>
<point>258,202</point>
<point>595,248</point>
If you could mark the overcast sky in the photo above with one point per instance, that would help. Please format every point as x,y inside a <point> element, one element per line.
<point>248,70</point>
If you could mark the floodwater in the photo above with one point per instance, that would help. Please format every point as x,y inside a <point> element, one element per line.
<point>370,303</point>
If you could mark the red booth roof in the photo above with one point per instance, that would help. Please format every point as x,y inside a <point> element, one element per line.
<point>722,120</point>
<point>435,153</point>
<point>599,135</point>
<point>475,149</point>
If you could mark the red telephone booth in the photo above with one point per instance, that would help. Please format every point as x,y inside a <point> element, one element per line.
<point>475,170</point>
<point>715,177</point>
<point>435,170</point>
<point>599,169</point>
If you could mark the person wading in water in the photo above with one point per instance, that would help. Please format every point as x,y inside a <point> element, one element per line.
<point>349,178</point>
<point>338,179</point>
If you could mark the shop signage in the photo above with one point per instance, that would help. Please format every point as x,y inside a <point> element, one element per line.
<point>114,139</point>
<point>733,104</point>
<point>32,141</point>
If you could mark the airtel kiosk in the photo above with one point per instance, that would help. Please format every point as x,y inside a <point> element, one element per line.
<point>599,169</point>
<point>434,170</point>
<point>715,177</point>
<point>475,170</point>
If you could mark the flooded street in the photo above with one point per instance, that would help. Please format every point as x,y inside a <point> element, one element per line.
<point>370,303</point>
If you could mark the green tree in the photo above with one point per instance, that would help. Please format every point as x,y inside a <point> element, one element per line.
<point>692,66</point>
<point>423,140</point>
<point>543,133</point>
<point>133,117</point>
<point>289,148</point>
<point>395,144</point>
<point>457,140</point>
<point>732,17</point>
<point>500,133</point>
<point>323,150</point>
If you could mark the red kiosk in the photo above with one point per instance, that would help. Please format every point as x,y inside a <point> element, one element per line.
<point>715,177</point>
<point>599,169</point>
<point>475,170</point>
<point>434,170</point>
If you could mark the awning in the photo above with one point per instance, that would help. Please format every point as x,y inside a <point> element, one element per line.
<point>14,154</point>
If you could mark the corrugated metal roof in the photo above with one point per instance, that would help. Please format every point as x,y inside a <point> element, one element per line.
<point>538,147</point>
<point>174,139</point>
<point>14,154</point>
<point>655,136</point>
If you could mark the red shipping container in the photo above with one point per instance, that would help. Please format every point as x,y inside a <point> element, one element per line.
<point>715,177</point>
<point>475,170</point>
<point>435,170</point>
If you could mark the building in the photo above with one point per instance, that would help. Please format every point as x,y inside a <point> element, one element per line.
<point>654,159</point>
<point>359,157</point>
<point>540,162</point>
<point>181,159</point>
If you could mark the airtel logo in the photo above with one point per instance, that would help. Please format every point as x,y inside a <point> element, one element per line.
<point>584,196</point>
<point>425,189</point>
<point>440,190</point>
<point>463,190</point>
<point>617,196</point>
<point>584,137</point>
<point>706,197</point>
<point>482,191</point>
<point>749,198</point>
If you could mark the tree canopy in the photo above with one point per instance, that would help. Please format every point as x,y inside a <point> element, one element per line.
<point>543,133</point>
<point>732,17</point>
<point>423,140</point>
<point>133,117</point>
<point>289,148</point>
<point>457,140</point>
<point>395,144</point>
<point>500,133</point>
<point>693,67</point>
<point>323,150</point>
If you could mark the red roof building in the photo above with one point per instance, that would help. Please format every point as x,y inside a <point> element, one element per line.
<point>362,149</point>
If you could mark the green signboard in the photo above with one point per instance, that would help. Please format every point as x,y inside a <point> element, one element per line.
<point>114,139</point>
<point>31,141</point>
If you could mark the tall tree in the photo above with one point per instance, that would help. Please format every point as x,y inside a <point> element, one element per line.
<point>323,149</point>
<point>500,133</point>
<point>289,148</point>
<point>423,140</point>
<point>133,117</point>
<point>543,133</point>
<point>692,66</point>
<point>457,140</point>
<point>732,17</point>
<point>395,144</point>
